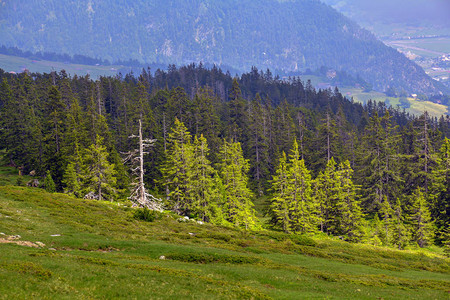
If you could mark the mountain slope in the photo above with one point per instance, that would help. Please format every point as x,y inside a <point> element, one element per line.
<point>281,35</point>
<point>89,249</point>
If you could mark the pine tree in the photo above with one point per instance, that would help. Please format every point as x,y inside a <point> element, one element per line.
<point>178,167</point>
<point>238,122</point>
<point>378,231</point>
<point>99,173</point>
<point>280,203</point>
<point>399,229</point>
<point>379,172</point>
<point>349,206</point>
<point>327,144</point>
<point>73,176</point>
<point>302,205</point>
<point>206,196</point>
<point>422,229</point>
<point>258,146</point>
<point>423,158</point>
<point>440,193</point>
<point>328,191</point>
<point>238,207</point>
<point>386,213</point>
<point>20,128</point>
<point>49,184</point>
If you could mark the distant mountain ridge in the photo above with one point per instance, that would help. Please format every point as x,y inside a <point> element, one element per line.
<point>280,35</point>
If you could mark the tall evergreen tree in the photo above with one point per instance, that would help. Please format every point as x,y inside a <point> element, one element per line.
<point>178,168</point>
<point>206,196</point>
<point>399,231</point>
<point>280,198</point>
<point>386,212</point>
<point>73,178</point>
<point>258,145</point>
<point>54,129</point>
<point>348,206</point>
<point>100,174</point>
<point>328,192</point>
<point>302,204</point>
<point>422,229</point>
<point>378,171</point>
<point>238,206</point>
<point>440,193</point>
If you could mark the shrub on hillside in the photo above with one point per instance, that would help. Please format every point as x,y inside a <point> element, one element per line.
<point>146,214</point>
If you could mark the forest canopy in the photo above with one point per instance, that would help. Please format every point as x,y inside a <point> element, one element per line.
<point>323,163</point>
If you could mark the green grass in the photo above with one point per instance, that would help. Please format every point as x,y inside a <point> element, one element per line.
<point>18,64</point>
<point>417,107</point>
<point>103,251</point>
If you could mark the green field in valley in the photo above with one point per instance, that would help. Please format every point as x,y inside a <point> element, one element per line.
<point>19,64</point>
<point>53,246</point>
<point>417,107</point>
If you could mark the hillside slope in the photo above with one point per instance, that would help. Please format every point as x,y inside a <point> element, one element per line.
<point>281,35</point>
<point>52,245</point>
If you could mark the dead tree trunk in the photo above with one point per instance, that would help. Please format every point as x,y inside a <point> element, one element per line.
<point>135,157</point>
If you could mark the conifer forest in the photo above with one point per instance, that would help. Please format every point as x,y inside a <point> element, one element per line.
<point>212,147</point>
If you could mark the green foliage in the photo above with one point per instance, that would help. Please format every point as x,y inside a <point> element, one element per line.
<point>49,184</point>
<point>400,231</point>
<point>205,258</point>
<point>422,229</point>
<point>76,128</point>
<point>19,181</point>
<point>440,193</point>
<point>146,214</point>
<point>178,167</point>
<point>293,203</point>
<point>238,206</point>
<point>99,173</point>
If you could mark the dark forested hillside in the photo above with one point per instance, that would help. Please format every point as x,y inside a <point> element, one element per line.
<point>219,143</point>
<point>281,35</point>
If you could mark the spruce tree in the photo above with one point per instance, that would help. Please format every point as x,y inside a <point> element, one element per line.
<point>73,177</point>
<point>302,204</point>
<point>258,146</point>
<point>99,173</point>
<point>349,206</point>
<point>238,206</point>
<point>178,167</point>
<point>440,193</point>
<point>328,191</point>
<point>386,213</point>
<point>422,229</point>
<point>378,159</point>
<point>238,119</point>
<point>400,232</point>
<point>280,207</point>
<point>49,184</point>
<point>206,197</point>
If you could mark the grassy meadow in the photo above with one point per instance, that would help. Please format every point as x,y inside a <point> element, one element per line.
<point>82,249</point>
<point>19,64</point>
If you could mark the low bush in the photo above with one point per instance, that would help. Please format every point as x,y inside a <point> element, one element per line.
<point>204,258</point>
<point>303,240</point>
<point>146,214</point>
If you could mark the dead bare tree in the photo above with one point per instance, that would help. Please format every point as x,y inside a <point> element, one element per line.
<point>135,158</point>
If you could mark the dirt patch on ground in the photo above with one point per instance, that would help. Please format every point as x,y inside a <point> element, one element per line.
<point>14,240</point>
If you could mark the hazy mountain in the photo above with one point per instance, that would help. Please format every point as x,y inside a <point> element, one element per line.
<point>418,12</point>
<point>280,35</point>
